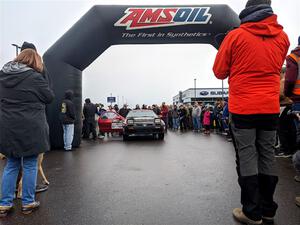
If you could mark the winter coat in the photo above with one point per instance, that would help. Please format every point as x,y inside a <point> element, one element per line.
<point>225,114</point>
<point>89,111</point>
<point>175,113</point>
<point>291,76</point>
<point>182,113</point>
<point>123,112</point>
<point>164,111</point>
<point>196,111</point>
<point>206,118</point>
<point>68,109</point>
<point>252,56</point>
<point>24,94</point>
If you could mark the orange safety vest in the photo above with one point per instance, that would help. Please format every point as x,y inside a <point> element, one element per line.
<point>296,89</point>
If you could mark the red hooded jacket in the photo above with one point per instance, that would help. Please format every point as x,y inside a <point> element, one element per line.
<point>252,56</point>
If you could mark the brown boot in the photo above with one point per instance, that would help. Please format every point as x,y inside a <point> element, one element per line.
<point>241,217</point>
<point>27,209</point>
<point>4,210</point>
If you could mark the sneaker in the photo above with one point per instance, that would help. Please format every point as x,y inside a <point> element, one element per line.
<point>4,210</point>
<point>27,209</point>
<point>297,201</point>
<point>279,154</point>
<point>241,217</point>
<point>297,178</point>
<point>287,155</point>
<point>283,155</point>
<point>268,220</point>
<point>41,188</point>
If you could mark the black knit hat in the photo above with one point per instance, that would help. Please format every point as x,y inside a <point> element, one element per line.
<point>257,2</point>
<point>26,45</point>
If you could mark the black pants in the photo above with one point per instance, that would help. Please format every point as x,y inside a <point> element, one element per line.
<point>183,123</point>
<point>256,190</point>
<point>89,127</point>
<point>287,133</point>
<point>170,122</point>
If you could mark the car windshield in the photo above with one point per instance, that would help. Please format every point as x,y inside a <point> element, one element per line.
<point>108,115</point>
<point>141,113</point>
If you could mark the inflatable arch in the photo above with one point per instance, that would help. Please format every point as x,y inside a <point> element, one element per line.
<point>103,26</point>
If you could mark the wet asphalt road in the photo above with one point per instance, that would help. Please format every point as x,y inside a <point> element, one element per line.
<point>186,179</point>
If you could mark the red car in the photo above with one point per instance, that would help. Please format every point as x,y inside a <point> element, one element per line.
<point>111,122</point>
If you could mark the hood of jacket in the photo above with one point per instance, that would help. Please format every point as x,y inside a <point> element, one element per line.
<point>14,73</point>
<point>260,20</point>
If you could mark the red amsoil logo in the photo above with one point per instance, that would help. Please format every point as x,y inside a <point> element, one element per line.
<point>140,18</point>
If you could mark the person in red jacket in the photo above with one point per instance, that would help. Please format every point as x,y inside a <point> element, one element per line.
<point>251,56</point>
<point>164,114</point>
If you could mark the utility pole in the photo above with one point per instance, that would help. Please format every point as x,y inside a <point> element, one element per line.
<point>17,48</point>
<point>195,80</point>
<point>222,89</point>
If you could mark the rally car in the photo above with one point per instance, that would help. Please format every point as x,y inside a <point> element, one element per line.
<point>143,123</point>
<point>111,122</point>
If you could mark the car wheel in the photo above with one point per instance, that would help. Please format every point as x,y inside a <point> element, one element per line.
<point>125,137</point>
<point>161,136</point>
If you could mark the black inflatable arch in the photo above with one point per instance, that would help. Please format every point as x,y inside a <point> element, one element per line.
<point>103,26</point>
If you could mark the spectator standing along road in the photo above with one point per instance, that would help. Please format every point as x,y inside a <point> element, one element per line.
<point>89,112</point>
<point>164,114</point>
<point>252,56</point>
<point>24,93</point>
<point>175,117</point>
<point>292,82</point>
<point>68,119</point>
<point>124,111</point>
<point>196,114</point>
<point>292,90</point>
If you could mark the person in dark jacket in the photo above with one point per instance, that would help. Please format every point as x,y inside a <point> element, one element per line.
<point>292,90</point>
<point>252,56</point>
<point>175,117</point>
<point>124,111</point>
<point>89,111</point>
<point>68,119</point>
<point>24,131</point>
<point>291,84</point>
<point>183,118</point>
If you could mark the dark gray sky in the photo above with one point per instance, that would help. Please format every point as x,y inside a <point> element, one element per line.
<point>137,74</point>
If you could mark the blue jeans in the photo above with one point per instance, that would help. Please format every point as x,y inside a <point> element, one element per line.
<point>196,123</point>
<point>68,136</point>
<point>9,179</point>
<point>175,123</point>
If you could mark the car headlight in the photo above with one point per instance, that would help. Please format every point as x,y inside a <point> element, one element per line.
<point>130,122</point>
<point>157,121</point>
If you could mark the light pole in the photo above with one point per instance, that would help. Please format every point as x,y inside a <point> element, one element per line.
<point>223,90</point>
<point>195,80</point>
<point>17,48</point>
